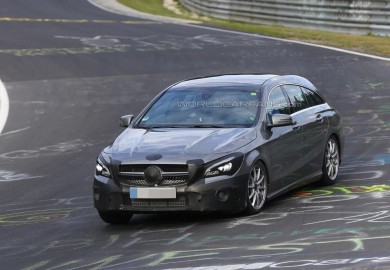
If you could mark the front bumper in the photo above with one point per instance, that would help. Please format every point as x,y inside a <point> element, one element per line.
<point>221,193</point>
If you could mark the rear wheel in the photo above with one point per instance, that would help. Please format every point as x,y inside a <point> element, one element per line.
<point>115,217</point>
<point>330,167</point>
<point>257,189</point>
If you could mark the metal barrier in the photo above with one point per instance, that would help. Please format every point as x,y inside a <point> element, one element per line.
<point>348,16</point>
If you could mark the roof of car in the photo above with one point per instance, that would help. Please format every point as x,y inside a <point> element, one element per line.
<point>248,79</point>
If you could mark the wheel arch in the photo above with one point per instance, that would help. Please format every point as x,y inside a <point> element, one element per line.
<point>260,155</point>
<point>260,159</point>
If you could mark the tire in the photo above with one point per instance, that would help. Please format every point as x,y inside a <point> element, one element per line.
<point>115,217</point>
<point>257,189</point>
<point>331,163</point>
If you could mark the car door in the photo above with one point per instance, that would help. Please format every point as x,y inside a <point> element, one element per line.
<point>311,123</point>
<point>314,133</point>
<point>284,142</point>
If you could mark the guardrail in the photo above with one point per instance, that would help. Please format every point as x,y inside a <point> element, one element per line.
<point>348,16</point>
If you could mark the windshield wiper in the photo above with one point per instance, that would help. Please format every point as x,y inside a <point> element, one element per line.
<point>187,126</point>
<point>206,126</point>
<point>151,127</point>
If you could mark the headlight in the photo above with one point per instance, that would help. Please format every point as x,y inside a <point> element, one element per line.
<point>228,166</point>
<point>102,169</point>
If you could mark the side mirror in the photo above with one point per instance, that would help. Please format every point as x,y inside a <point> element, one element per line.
<point>125,120</point>
<point>279,120</point>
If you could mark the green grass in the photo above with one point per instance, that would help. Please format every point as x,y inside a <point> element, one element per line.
<point>360,43</point>
<point>152,7</point>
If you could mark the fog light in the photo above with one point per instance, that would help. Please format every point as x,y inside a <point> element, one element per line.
<point>96,196</point>
<point>223,195</point>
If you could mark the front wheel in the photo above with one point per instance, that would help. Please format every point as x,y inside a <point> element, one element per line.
<point>257,189</point>
<point>330,167</point>
<point>115,217</point>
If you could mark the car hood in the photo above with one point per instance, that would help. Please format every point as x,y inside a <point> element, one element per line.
<point>178,145</point>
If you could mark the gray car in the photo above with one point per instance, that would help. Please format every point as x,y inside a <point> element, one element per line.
<point>222,143</point>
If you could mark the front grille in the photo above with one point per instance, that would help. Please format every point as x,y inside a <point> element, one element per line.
<point>180,201</point>
<point>163,167</point>
<point>127,181</point>
<point>174,180</point>
<point>172,175</point>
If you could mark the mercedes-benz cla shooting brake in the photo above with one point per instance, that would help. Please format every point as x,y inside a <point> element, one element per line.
<point>221,143</point>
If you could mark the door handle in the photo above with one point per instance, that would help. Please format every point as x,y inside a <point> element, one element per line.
<point>295,126</point>
<point>319,118</point>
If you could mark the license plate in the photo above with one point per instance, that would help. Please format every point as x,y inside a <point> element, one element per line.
<point>152,193</point>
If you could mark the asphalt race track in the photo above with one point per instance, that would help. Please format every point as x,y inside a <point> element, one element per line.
<point>71,69</point>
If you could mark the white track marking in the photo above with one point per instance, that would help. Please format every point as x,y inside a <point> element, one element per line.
<point>126,11</point>
<point>15,131</point>
<point>4,106</point>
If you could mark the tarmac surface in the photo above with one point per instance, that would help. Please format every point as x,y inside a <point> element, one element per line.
<point>71,69</point>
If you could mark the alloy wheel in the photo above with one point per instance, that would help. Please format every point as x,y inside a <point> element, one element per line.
<point>257,188</point>
<point>332,159</point>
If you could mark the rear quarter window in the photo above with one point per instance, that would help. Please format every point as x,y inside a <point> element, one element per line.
<point>312,98</point>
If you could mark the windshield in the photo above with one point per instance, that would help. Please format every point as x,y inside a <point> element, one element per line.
<point>211,107</point>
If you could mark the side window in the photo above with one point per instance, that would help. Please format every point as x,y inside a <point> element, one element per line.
<point>314,98</point>
<point>297,98</point>
<point>309,95</point>
<point>277,102</point>
<point>317,98</point>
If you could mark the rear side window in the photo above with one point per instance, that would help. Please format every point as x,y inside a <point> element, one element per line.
<point>297,98</point>
<point>312,98</point>
<point>277,102</point>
